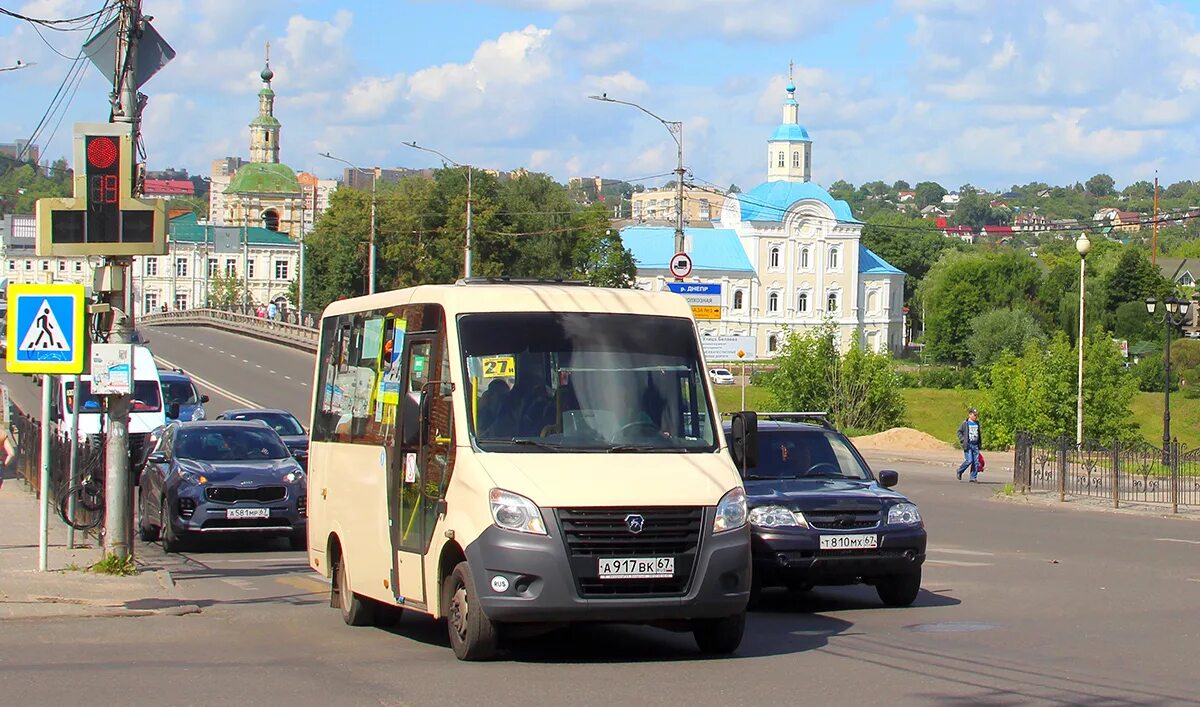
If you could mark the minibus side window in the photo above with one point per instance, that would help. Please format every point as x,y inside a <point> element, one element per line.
<point>335,332</point>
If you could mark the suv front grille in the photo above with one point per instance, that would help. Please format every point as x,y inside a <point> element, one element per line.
<point>594,533</point>
<point>842,520</point>
<point>233,494</point>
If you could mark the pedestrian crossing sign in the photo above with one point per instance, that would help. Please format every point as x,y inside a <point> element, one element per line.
<point>45,328</point>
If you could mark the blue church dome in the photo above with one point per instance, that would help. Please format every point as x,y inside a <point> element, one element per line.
<point>769,201</point>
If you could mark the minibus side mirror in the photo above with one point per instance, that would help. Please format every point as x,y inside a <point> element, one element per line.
<point>743,440</point>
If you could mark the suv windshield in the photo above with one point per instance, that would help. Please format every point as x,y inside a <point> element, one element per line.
<point>805,454</point>
<point>214,444</point>
<point>568,381</point>
<point>283,423</point>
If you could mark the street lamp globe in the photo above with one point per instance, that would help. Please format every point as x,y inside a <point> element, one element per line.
<point>1183,306</point>
<point>1083,245</point>
<point>1172,305</point>
<point>1151,303</point>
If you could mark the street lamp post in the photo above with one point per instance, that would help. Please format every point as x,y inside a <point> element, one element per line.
<point>468,258</point>
<point>371,241</point>
<point>674,127</point>
<point>1083,245</point>
<point>1174,313</point>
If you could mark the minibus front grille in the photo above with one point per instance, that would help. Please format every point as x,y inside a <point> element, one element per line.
<point>594,533</point>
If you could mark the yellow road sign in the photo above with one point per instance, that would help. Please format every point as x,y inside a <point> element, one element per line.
<point>706,312</point>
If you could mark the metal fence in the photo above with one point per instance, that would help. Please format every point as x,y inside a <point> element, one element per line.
<point>27,438</point>
<point>302,335</point>
<point>1129,471</point>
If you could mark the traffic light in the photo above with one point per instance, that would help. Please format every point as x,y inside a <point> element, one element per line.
<point>103,218</point>
<point>103,174</point>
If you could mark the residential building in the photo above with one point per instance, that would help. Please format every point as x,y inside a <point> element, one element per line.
<point>950,199</point>
<point>21,150</point>
<point>1030,221</point>
<point>20,264</point>
<point>787,256</point>
<point>264,262</point>
<point>998,234</point>
<point>699,205</point>
<point>906,196</point>
<point>1128,221</point>
<point>932,211</point>
<point>167,188</point>
<point>963,233</point>
<point>316,195</point>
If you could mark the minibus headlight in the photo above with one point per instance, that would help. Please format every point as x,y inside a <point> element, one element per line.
<point>514,512</point>
<point>731,511</point>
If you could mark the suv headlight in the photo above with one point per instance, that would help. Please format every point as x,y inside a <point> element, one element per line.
<point>511,511</point>
<point>192,477</point>
<point>776,517</point>
<point>293,476</point>
<point>731,511</point>
<point>904,514</point>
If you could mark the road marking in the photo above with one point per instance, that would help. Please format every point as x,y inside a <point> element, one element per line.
<point>1194,579</point>
<point>271,372</point>
<point>242,584</point>
<point>245,361</point>
<point>288,377</point>
<point>950,551</point>
<point>209,384</point>
<point>308,584</point>
<point>1178,540</point>
<point>956,563</point>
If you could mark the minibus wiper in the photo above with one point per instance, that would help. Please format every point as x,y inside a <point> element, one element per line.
<point>537,443</point>
<point>642,448</point>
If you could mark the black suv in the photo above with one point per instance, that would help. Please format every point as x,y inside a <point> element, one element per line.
<point>818,515</point>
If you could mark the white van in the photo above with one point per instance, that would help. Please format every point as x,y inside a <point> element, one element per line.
<point>145,415</point>
<point>515,456</point>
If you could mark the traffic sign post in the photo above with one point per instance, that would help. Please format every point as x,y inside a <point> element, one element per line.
<point>45,335</point>
<point>681,265</point>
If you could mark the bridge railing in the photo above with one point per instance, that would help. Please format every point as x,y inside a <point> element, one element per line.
<point>301,332</point>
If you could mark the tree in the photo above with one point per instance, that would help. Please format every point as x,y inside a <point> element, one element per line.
<point>1133,279</point>
<point>841,189</point>
<point>226,292</point>
<point>900,185</point>
<point>1000,330</point>
<point>860,390</point>
<point>928,193</point>
<point>972,210</point>
<point>910,244</point>
<point>1036,392</point>
<point>1099,185</point>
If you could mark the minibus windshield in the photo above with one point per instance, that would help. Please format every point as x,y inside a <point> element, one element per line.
<point>145,397</point>
<point>585,382</point>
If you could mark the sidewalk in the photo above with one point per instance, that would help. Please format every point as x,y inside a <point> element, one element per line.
<point>26,593</point>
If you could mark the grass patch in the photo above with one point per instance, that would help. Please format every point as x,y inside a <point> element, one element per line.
<point>939,411</point>
<point>1006,490</point>
<point>113,565</point>
<point>1148,413</point>
<point>729,398</point>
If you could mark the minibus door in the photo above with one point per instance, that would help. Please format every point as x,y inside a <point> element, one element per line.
<point>408,531</point>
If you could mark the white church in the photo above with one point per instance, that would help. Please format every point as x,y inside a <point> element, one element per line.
<point>787,256</point>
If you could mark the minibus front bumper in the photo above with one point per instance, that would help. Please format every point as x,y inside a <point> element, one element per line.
<point>525,578</point>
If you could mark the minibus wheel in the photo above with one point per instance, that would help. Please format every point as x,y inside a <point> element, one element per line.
<point>722,635</point>
<point>472,634</point>
<point>356,610</point>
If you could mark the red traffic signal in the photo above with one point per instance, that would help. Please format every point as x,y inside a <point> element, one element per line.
<point>102,152</point>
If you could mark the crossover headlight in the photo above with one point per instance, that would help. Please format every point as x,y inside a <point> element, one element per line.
<point>511,511</point>
<point>776,517</point>
<point>294,476</point>
<point>192,477</point>
<point>731,511</point>
<point>904,514</point>
<point>197,414</point>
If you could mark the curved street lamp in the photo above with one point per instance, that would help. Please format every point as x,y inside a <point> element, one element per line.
<point>675,127</point>
<point>371,241</point>
<point>468,258</point>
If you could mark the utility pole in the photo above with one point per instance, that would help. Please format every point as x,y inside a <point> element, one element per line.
<point>371,243</point>
<point>300,275</point>
<point>118,503</point>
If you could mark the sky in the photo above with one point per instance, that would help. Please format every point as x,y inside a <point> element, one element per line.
<point>984,92</point>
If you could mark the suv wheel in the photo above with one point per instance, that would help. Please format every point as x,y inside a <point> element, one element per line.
<point>899,589</point>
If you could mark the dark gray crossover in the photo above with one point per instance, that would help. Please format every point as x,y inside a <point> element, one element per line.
<point>221,477</point>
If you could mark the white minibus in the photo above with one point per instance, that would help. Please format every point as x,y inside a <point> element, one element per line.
<point>513,456</point>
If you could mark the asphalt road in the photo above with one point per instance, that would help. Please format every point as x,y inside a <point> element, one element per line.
<point>1020,604</point>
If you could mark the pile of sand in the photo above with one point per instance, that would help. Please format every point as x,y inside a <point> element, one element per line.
<point>902,438</point>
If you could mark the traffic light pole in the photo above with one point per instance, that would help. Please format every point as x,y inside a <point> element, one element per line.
<point>118,504</point>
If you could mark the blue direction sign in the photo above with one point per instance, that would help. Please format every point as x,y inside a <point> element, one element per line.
<point>45,328</point>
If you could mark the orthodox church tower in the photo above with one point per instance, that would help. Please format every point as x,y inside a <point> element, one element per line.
<point>789,151</point>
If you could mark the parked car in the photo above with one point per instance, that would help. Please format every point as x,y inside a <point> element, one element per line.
<point>721,376</point>
<point>283,422</point>
<point>182,399</point>
<point>819,516</point>
<point>221,477</point>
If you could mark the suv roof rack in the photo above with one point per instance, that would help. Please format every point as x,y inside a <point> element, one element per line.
<point>505,280</point>
<point>821,418</point>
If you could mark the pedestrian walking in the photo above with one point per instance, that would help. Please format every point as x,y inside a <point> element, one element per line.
<point>970,438</point>
<point>9,452</point>
<point>272,312</point>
